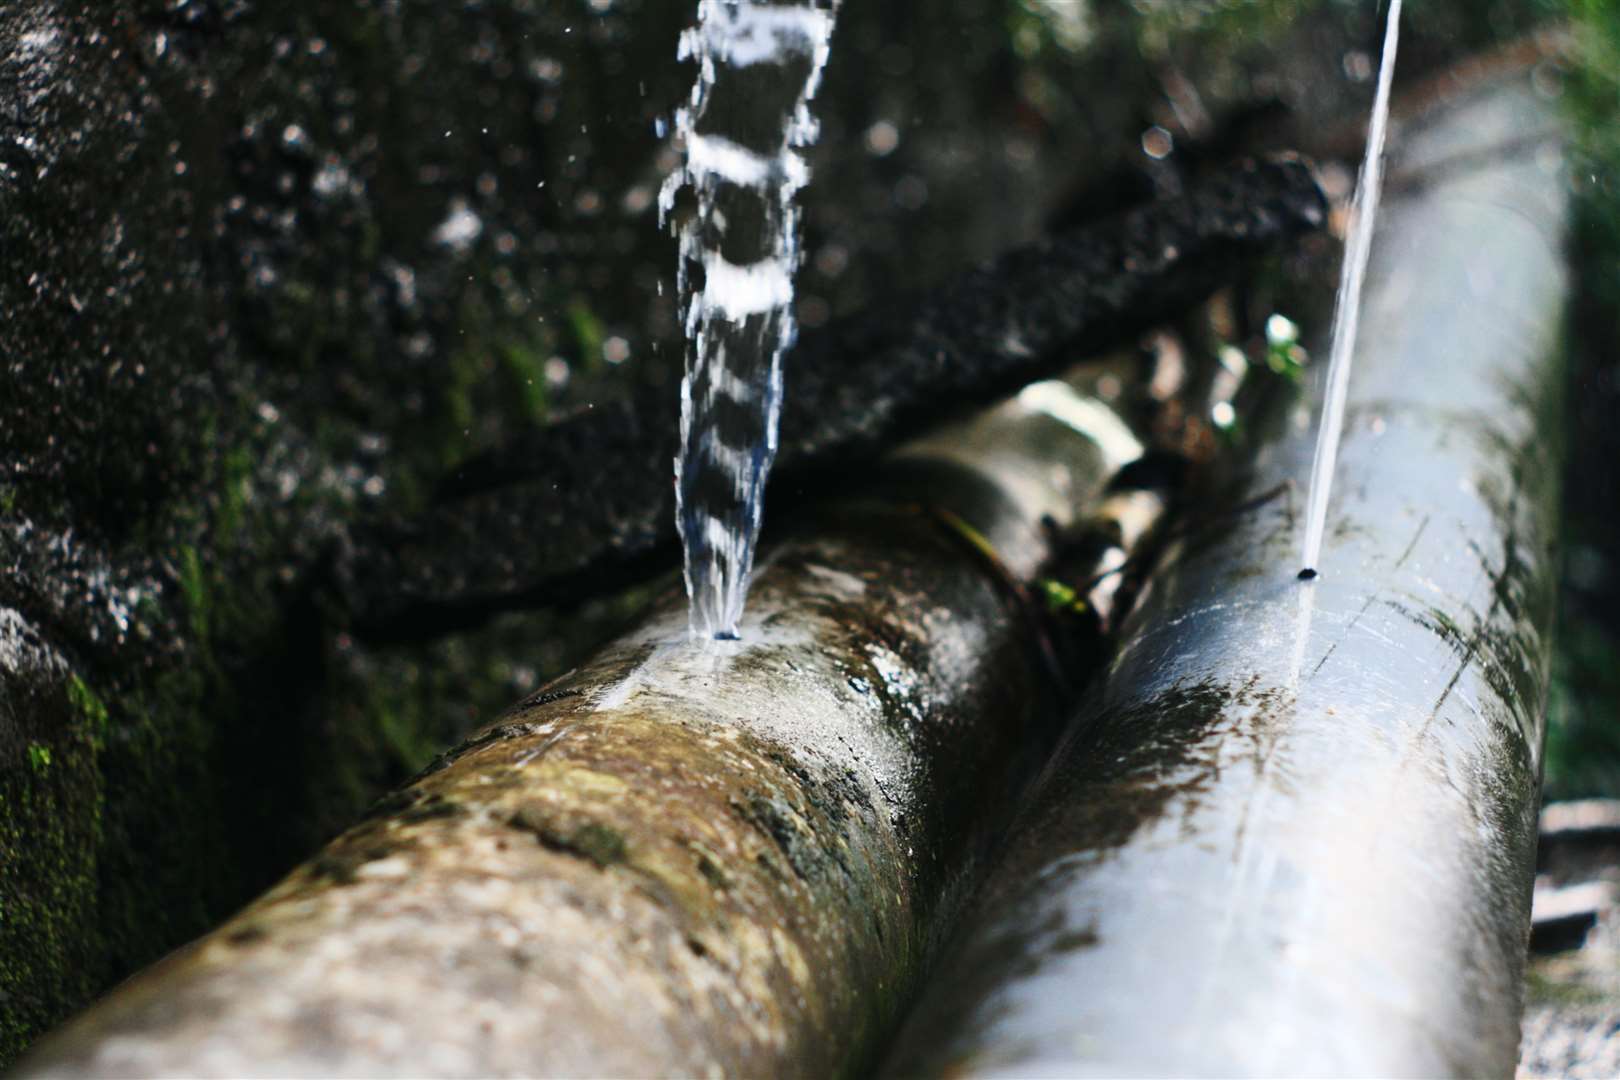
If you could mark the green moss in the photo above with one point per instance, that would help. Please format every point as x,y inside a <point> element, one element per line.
<point>1285,356</point>
<point>1592,100</point>
<point>50,832</point>
<point>460,414</point>
<point>1583,740</point>
<point>1060,597</point>
<point>526,370</point>
<point>1543,987</point>
<point>588,334</point>
<point>235,487</point>
<point>1214,20</point>
<point>600,844</point>
<point>87,704</point>
<point>164,864</point>
<point>194,584</point>
<point>495,379</point>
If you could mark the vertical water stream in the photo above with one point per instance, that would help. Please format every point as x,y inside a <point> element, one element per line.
<point>759,66</point>
<point>1347,315</point>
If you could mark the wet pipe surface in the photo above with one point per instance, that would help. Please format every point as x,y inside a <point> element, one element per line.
<point>718,859</point>
<point>1300,820</point>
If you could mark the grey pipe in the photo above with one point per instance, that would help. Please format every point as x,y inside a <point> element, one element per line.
<point>1295,834</point>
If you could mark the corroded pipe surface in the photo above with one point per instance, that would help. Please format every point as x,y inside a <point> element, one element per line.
<point>680,859</point>
<point>1295,834</point>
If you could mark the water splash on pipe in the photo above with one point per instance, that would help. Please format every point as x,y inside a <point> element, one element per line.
<point>1347,314</point>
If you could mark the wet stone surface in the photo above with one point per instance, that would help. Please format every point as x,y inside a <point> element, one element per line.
<point>266,267</point>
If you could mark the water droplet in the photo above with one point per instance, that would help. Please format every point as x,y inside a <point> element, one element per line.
<point>882,138</point>
<point>1158,143</point>
<point>460,228</point>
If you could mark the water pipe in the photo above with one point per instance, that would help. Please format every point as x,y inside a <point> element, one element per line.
<point>1295,832</point>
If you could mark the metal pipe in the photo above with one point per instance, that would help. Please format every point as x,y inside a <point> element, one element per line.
<point>1295,833</point>
<point>680,859</point>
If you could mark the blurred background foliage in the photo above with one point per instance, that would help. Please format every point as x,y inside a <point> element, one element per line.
<point>344,246</point>
<point>1583,752</point>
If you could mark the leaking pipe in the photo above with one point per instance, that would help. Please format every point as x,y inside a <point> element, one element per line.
<point>1295,833</point>
<point>680,859</point>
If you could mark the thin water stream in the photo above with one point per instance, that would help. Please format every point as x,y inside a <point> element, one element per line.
<point>1347,313</point>
<point>759,66</point>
